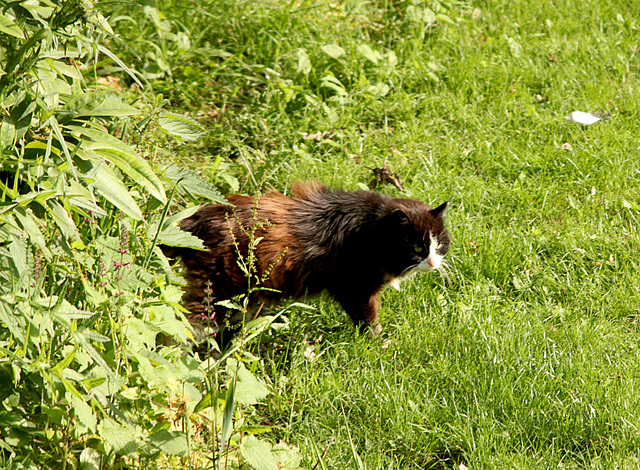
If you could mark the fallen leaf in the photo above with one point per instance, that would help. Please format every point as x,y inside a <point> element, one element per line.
<point>385,176</point>
<point>586,119</point>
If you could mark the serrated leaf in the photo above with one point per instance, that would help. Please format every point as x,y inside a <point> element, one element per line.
<point>173,236</point>
<point>124,157</point>
<point>333,50</point>
<point>173,443</point>
<point>95,103</point>
<point>248,389</point>
<point>190,184</point>
<point>180,127</point>
<point>138,331</point>
<point>26,219</point>
<point>110,186</point>
<point>84,414</point>
<point>118,437</point>
<point>287,457</point>
<point>90,459</point>
<point>7,26</point>
<point>258,454</point>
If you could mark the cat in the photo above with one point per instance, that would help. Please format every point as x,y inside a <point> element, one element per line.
<point>349,244</point>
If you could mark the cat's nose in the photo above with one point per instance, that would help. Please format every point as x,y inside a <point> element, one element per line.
<point>433,263</point>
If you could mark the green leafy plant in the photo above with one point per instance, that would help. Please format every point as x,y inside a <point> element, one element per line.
<point>84,290</point>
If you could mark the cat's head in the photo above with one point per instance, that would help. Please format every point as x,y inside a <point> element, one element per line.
<point>420,239</point>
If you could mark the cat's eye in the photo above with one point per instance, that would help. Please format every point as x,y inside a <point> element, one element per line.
<point>438,246</point>
<point>418,249</point>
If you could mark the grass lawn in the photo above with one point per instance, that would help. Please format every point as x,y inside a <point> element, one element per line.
<point>523,353</point>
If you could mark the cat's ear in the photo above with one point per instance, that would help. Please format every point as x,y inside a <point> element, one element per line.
<point>439,211</point>
<point>400,217</point>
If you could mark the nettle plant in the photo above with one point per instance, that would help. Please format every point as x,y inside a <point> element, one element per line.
<point>84,291</point>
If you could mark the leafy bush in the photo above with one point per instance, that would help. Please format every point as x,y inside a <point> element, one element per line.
<point>85,294</point>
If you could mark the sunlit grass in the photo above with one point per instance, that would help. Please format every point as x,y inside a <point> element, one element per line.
<point>525,355</point>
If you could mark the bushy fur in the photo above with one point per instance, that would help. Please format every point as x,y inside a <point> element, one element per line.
<point>348,244</point>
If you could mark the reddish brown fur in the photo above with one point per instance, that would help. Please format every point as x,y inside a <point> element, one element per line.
<point>349,244</point>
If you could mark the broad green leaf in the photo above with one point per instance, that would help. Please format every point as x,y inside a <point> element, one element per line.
<point>428,16</point>
<point>120,438</point>
<point>63,364</point>
<point>173,236</point>
<point>446,19</point>
<point>91,459</point>
<point>177,217</point>
<point>333,83</point>
<point>180,127</point>
<point>95,355</point>
<point>84,414</point>
<point>139,332</point>
<point>150,10</point>
<point>95,103</point>
<point>335,51</point>
<point>93,336</point>
<point>124,157</point>
<point>81,197</point>
<point>63,220</point>
<point>66,70</point>
<point>12,318</point>
<point>173,443</point>
<point>514,47</point>
<point>369,54</point>
<point>7,26</point>
<point>249,390</point>
<point>304,64</point>
<point>7,133</point>
<point>258,454</point>
<point>18,251</point>
<point>287,457</point>
<point>206,402</point>
<point>114,191</point>
<point>30,226</point>
<point>165,320</point>
<point>22,114</point>
<point>94,382</point>
<point>189,184</point>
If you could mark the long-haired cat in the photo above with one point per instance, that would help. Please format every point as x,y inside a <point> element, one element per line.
<point>349,244</point>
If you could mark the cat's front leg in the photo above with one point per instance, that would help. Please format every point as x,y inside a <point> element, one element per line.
<point>363,310</point>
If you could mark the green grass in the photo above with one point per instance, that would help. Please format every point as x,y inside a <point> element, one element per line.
<point>525,354</point>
